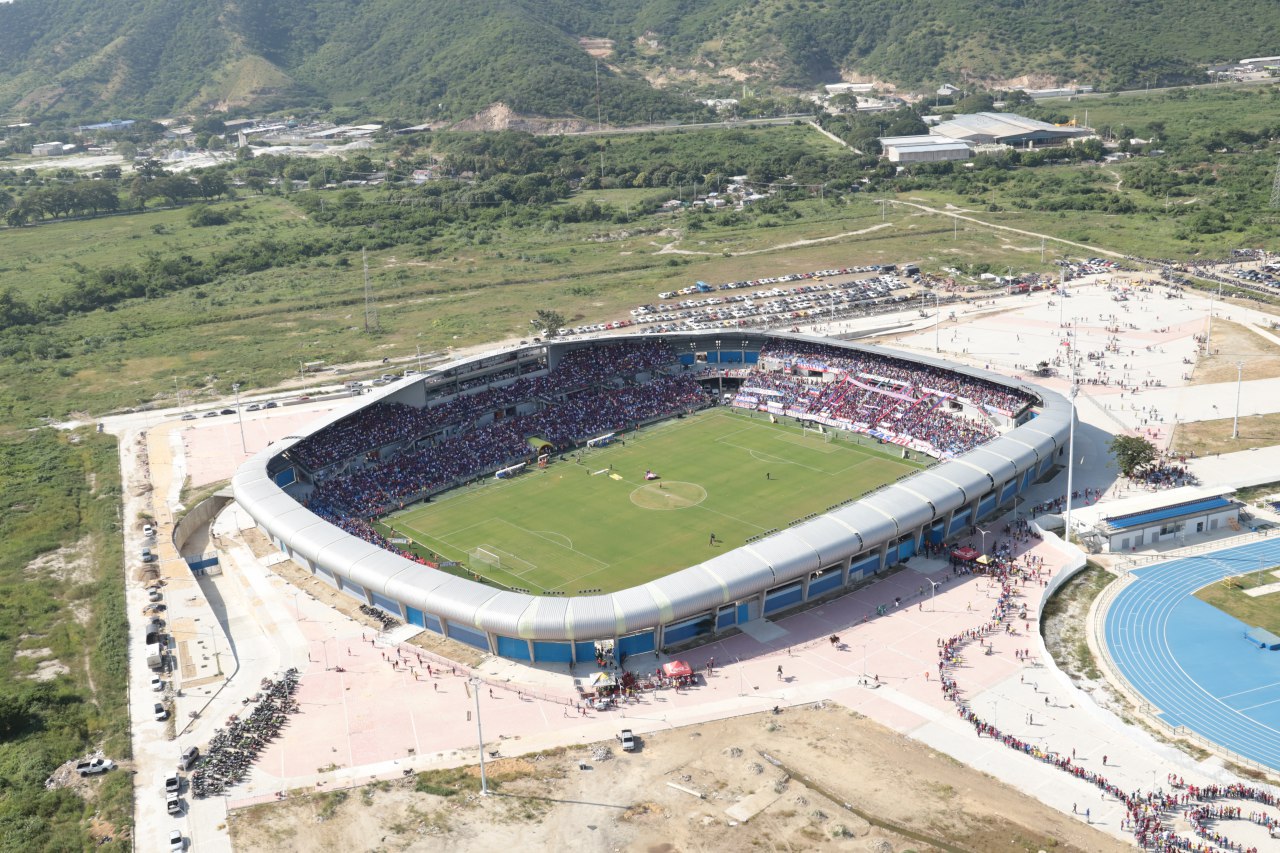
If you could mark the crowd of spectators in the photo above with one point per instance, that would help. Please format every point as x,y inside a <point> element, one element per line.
<point>879,395</point>
<point>385,423</point>
<point>466,435</point>
<point>1148,814</point>
<point>1165,475</point>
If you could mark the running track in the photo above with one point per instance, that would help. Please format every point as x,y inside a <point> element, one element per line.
<point>1191,661</point>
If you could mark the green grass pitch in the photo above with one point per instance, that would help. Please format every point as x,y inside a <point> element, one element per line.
<point>564,529</point>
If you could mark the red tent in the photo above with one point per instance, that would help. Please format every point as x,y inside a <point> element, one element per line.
<point>676,669</point>
<point>965,554</point>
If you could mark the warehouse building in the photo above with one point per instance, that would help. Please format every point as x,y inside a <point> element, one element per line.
<point>1006,129</point>
<point>923,149</point>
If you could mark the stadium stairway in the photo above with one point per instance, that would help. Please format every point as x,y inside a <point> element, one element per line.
<point>397,635</point>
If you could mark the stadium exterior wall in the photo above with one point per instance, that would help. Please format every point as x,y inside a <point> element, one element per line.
<point>856,539</point>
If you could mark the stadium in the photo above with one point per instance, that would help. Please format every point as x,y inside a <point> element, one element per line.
<point>344,499</point>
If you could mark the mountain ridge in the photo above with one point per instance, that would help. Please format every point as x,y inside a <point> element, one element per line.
<point>439,58</point>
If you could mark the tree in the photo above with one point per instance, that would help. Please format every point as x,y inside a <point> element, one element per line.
<point>549,320</point>
<point>1132,452</point>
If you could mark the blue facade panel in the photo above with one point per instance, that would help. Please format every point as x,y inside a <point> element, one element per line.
<point>688,629</point>
<point>937,533</point>
<point>826,583</point>
<point>686,358</point>
<point>960,522</point>
<point>468,635</point>
<point>392,607</point>
<point>637,644</point>
<point>354,590</point>
<point>1027,478</point>
<point>783,597</point>
<point>415,617</point>
<point>752,356</point>
<point>544,650</point>
<point>986,506</point>
<point>732,356</point>
<point>433,623</point>
<point>906,549</point>
<point>1009,490</point>
<point>510,647</point>
<point>743,613</point>
<point>586,650</point>
<point>727,617</point>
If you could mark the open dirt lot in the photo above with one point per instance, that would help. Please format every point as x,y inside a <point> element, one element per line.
<point>817,777</point>
<point>1208,437</point>
<point>1231,343</point>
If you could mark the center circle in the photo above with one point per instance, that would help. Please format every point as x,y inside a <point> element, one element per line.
<point>663,494</point>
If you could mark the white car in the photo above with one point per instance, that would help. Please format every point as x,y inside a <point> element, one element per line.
<point>157,684</point>
<point>148,530</point>
<point>94,766</point>
<point>176,842</point>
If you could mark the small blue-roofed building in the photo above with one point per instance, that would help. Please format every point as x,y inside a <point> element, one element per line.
<point>1166,518</point>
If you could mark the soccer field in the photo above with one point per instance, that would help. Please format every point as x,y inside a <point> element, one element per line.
<point>569,530</point>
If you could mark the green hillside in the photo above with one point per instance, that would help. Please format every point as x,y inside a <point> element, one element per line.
<point>439,58</point>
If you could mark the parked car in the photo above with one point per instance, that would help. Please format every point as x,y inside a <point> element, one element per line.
<point>253,407</point>
<point>173,784</point>
<point>173,805</point>
<point>227,412</point>
<point>148,530</point>
<point>176,842</point>
<point>162,713</point>
<point>210,414</point>
<point>270,404</point>
<point>189,757</point>
<point>94,766</point>
<point>628,740</point>
<point>157,683</point>
<point>147,556</point>
<point>189,416</point>
<point>154,595</point>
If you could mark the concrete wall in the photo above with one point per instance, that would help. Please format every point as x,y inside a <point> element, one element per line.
<point>199,516</point>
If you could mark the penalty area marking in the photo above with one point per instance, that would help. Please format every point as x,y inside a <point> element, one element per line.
<point>674,494</point>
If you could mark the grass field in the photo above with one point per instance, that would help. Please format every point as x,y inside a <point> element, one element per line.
<point>564,529</point>
<point>1228,596</point>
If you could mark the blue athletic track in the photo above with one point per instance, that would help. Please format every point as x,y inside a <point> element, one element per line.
<point>1191,661</point>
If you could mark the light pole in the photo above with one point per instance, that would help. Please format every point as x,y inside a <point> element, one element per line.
<point>1208,338</point>
<point>937,319</point>
<point>240,415</point>
<point>933,593</point>
<point>1235,422</point>
<point>484,780</point>
<point>1071,451</point>
<point>419,358</point>
<point>984,537</point>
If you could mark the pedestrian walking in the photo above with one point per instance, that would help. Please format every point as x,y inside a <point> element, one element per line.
<point>1104,761</point>
<point>779,672</point>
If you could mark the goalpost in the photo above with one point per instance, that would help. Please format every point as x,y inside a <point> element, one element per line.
<point>487,557</point>
<point>817,431</point>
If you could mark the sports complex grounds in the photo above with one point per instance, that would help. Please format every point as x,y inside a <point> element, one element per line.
<point>649,503</point>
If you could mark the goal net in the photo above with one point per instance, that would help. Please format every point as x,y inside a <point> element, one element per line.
<point>817,431</point>
<point>486,557</point>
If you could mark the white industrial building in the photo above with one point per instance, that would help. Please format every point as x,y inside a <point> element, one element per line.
<point>1005,129</point>
<point>923,149</point>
